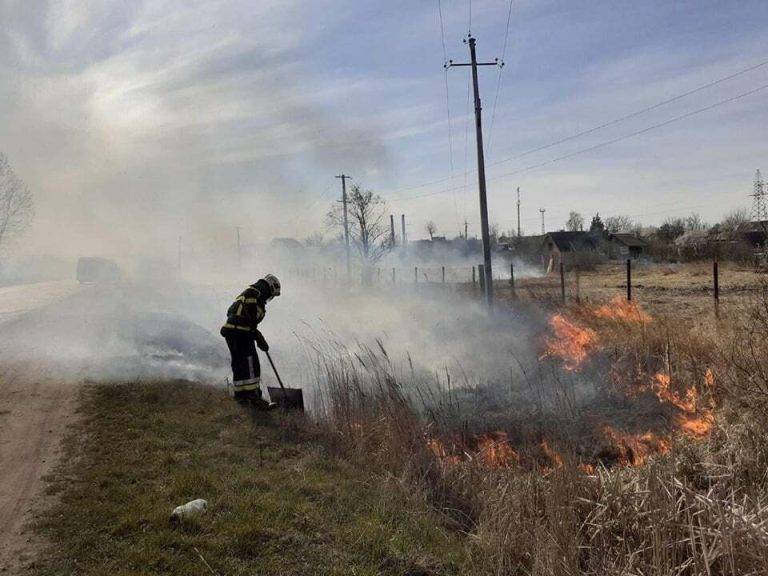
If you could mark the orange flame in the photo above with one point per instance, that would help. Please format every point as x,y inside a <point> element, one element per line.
<point>635,449</point>
<point>620,309</point>
<point>440,452</point>
<point>553,455</point>
<point>661,387</point>
<point>571,343</point>
<point>709,378</point>
<point>695,426</point>
<point>495,451</point>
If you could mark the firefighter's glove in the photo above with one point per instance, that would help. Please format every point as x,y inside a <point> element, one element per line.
<point>261,342</point>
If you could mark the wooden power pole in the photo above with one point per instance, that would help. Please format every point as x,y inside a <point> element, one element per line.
<point>487,271</point>
<point>344,179</point>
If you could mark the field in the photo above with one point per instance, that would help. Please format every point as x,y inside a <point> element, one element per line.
<point>684,290</point>
<point>623,438</point>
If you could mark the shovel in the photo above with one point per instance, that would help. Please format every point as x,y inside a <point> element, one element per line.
<point>285,398</point>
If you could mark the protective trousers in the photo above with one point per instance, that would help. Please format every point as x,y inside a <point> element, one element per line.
<point>246,371</point>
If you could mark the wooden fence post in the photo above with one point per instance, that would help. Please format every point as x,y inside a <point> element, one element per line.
<point>716,280</point>
<point>415,274</point>
<point>629,279</point>
<point>481,275</point>
<point>562,281</point>
<point>443,274</point>
<point>474,279</point>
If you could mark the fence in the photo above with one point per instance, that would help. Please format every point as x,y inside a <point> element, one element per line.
<point>627,279</point>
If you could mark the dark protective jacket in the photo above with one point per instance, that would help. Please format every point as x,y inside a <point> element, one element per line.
<point>248,309</point>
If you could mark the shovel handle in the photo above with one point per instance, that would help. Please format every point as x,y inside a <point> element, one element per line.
<point>275,371</point>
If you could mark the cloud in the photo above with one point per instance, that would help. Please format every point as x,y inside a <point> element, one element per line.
<point>134,122</point>
<point>186,113</point>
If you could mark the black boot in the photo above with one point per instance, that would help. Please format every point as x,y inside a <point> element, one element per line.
<point>262,405</point>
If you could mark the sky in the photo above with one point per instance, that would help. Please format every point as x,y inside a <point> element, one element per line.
<point>136,122</point>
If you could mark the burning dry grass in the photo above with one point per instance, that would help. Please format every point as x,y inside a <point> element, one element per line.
<point>666,472</point>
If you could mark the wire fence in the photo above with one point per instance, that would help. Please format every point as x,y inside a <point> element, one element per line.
<point>630,279</point>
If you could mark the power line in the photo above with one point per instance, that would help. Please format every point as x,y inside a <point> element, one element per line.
<point>632,114</point>
<point>636,133</point>
<point>447,104</point>
<point>498,82</point>
<point>609,123</point>
<point>447,94</point>
<point>469,26</point>
<point>616,140</point>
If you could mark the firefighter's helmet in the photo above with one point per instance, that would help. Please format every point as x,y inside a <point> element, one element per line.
<point>274,285</point>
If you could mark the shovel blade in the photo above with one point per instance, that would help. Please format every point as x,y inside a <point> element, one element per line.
<point>287,398</point>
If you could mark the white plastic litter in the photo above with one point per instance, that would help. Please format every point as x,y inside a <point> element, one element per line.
<point>192,508</point>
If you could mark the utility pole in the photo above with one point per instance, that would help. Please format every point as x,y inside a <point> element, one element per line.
<point>542,210</point>
<point>470,40</point>
<point>392,230</point>
<point>518,212</point>
<point>237,236</point>
<point>344,179</point>
<point>404,237</point>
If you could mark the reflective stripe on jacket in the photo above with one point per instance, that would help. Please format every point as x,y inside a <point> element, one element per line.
<point>246,312</point>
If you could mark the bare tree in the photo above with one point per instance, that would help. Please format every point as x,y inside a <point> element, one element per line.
<point>694,222</point>
<point>494,234</point>
<point>16,203</point>
<point>619,223</point>
<point>431,229</point>
<point>368,227</point>
<point>575,222</point>
<point>731,221</point>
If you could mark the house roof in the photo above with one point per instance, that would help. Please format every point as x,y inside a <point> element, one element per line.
<point>574,241</point>
<point>629,240</point>
<point>755,226</point>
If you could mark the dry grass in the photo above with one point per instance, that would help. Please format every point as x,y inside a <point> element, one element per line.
<point>683,290</point>
<point>278,504</point>
<point>699,506</point>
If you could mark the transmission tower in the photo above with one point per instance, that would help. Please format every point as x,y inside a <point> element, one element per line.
<point>759,205</point>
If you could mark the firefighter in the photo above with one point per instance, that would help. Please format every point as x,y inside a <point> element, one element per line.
<point>241,332</point>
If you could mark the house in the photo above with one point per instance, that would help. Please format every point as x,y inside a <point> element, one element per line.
<point>625,245</point>
<point>753,233</point>
<point>571,248</point>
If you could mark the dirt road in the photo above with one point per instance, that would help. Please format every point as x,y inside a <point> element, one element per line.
<point>33,416</point>
<point>34,412</point>
<point>55,336</point>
